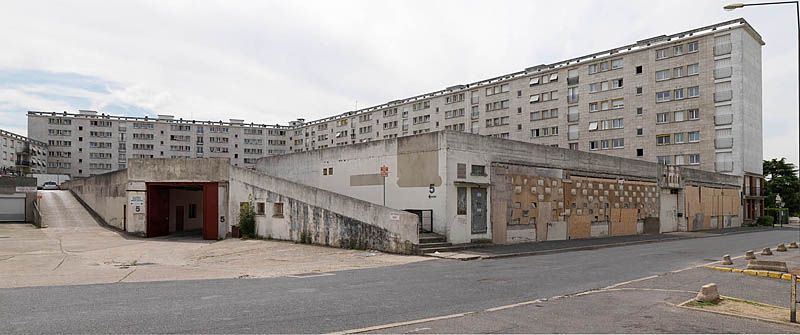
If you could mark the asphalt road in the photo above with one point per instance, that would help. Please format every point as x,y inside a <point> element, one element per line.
<point>351,299</point>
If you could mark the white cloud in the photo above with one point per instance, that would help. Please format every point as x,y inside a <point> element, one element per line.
<point>273,61</point>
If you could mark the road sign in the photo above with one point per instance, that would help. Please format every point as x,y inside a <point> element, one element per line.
<point>384,171</point>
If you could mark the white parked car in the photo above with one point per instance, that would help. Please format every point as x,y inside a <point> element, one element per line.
<point>50,185</point>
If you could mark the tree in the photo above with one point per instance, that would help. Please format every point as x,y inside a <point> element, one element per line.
<point>781,178</point>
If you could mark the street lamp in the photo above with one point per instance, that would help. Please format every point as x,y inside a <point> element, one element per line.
<point>733,6</point>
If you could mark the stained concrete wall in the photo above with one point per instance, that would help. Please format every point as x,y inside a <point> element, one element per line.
<point>106,195</point>
<point>317,216</point>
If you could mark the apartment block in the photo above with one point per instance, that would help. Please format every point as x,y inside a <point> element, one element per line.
<point>691,99</point>
<point>21,155</point>
<point>88,143</point>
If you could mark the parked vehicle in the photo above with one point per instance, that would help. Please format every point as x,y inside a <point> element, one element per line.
<point>50,185</point>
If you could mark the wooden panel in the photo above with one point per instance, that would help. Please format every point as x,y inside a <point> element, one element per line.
<point>580,226</point>
<point>623,221</point>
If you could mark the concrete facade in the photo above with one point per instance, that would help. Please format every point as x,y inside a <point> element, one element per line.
<point>128,200</point>
<point>21,155</point>
<point>691,98</point>
<point>530,192</point>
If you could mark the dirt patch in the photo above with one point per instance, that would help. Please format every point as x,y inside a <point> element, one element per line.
<point>733,306</point>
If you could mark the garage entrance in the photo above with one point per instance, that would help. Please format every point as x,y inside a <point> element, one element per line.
<point>182,208</point>
<point>12,208</point>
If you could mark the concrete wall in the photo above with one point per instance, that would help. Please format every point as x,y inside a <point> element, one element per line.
<point>106,195</point>
<point>20,187</point>
<point>186,198</point>
<point>320,217</point>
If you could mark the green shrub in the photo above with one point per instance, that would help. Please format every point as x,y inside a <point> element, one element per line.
<point>247,221</point>
<point>775,214</point>
<point>765,220</point>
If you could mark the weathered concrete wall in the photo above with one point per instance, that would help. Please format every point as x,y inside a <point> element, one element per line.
<point>313,215</point>
<point>105,194</point>
<point>178,169</point>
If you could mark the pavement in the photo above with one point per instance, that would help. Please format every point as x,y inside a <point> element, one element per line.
<point>355,299</point>
<point>76,250</point>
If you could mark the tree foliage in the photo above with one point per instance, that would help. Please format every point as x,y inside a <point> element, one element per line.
<point>781,178</point>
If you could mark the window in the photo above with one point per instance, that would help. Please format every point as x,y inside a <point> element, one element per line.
<point>677,72</point>
<point>534,81</point>
<point>662,75</point>
<point>260,208</point>
<point>604,105</point>
<point>638,90</point>
<point>694,136</point>
<point>593,68</point>
<point>678,116</point>
<point>664,159</point>
<point>594,87</point>
<point>604,144</point>
<point>617,123</point>
<point>639,152</point>
<point>497,89</point>
<point>662,117</point>
<point>678,137</point>
<point>694,159</point>
<point>604,86</point>
<point>693,91</point>
<point>616,63</point>
<point>593,145</point>
<point>618,143</point>
<point>277,210</point>
<point>639,131</point>
<point>694,114</point>
<point>639,69</point>
<point>617,103</point>
<point>679,160</point>
<point>692,69</point>
<point>661,53</point>
<point>663,139</point>
<point>663,96</point>
<point>604,66</point>
<point>616,83</point>
<point>639,111</point>
<point>462,201</point>
<point>478,170</point>
<point>573,146</point>
<point>677,50</point>
<point>592,126</point>
<point>691,47</point>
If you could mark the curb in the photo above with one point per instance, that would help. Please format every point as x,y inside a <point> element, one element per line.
<point>588,247</point>
<point>683,305</point>
<point>610,245</point>
<point>756,273</point>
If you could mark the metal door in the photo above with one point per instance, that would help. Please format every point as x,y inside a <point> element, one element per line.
<point>12,209</point>
<point>478,206</point>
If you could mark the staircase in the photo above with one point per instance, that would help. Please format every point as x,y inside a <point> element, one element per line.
<point>432,242</point>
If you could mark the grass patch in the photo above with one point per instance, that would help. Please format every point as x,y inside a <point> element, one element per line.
<point>701,304</point>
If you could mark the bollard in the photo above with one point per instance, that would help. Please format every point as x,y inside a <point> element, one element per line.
<point>708,293</point>
<point>766,252</point>
<point>726,260</point>
<point>781,247</point>
<point>749,254</point>
<point>792,245</point>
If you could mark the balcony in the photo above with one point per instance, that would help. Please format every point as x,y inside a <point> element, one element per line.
<point>723,142</point>
<point>723,166</point>
<point>723,96</point>
<point>722,49</point>
<point>753,191</point>
<point>723,119</point>
<point>572,81</point>
<point>724,72</point>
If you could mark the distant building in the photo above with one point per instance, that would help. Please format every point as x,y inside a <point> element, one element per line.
<point>20,155</point>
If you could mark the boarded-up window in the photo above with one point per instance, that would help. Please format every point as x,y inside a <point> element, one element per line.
<point>461,171</point>
<point>277,210</point>
<point>462,200</point>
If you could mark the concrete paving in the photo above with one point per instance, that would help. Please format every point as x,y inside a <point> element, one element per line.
<point>75,249</point>
<point>355,299</point>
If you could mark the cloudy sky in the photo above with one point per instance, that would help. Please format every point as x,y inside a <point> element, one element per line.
<point>274,61</point>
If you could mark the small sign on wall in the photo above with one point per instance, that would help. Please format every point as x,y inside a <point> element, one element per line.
<point>21,189</point>
<point>137,203</point>
<point>394,217</point>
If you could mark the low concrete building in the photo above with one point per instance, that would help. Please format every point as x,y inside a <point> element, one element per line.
<point>156,197</point>
<point>471,188</point>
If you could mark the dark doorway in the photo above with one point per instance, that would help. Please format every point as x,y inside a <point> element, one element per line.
<point>425,223</point>
<point>478,212</point>
<point>167,203</point>
<point>178,218</point>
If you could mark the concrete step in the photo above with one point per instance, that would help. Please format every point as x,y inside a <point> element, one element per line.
<point>457,247</point>
<point>431,238</point>
<point>434,245</point>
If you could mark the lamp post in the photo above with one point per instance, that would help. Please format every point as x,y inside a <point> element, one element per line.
<point>733,6</point>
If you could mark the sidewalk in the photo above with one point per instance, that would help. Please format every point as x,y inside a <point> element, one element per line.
<point>490,251</point>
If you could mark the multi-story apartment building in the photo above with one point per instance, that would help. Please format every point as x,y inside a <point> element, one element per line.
<point>89,143</point>
<point>691,98</point>
<point>21,155</point>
